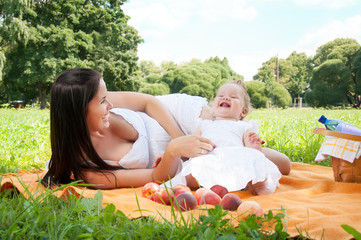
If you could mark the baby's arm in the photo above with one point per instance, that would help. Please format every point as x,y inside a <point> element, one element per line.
<point>252,140</point>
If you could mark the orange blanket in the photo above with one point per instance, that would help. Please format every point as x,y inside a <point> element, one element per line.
<point>314,202</point>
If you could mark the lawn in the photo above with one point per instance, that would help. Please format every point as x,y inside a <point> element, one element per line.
<point>24,143</point>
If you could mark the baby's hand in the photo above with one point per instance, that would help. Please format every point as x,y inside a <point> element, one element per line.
<point>252,140</point>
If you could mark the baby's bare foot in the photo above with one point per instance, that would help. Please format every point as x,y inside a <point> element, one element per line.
<point>260,188</point>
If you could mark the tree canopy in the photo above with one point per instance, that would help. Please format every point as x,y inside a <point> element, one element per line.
<point>193,78</point>
<point>277,94</point>
<point>330,83</point>
<point>294,73</point>
<point>304,76</point>
<point>40,39</point>
<point>339,58</point>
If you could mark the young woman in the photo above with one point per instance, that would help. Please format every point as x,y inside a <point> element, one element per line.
<point>110,149</point>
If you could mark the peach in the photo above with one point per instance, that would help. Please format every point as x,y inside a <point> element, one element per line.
<point>220,190</point>
<point>186,201</point>
<point>178,189</point>
<point>200,192</point>
<point>164,196</point>
<point>150,189</point>
<point>230,202</point>
<point>211,198</point>
<point>249,207</point>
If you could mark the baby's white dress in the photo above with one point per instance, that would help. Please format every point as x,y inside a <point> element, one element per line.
<point>231,164</point>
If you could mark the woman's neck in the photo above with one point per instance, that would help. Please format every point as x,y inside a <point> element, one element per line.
<point>96,135</point>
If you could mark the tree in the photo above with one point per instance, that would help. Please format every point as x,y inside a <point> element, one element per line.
<point>323,52</point>
<point>355,92</point>
<point>345,50</point>
<point>329,84</point>
<point>280,96</point>
<point>199,78</point>
<point>167,65</point>
<point>148,68</point>
<point>300,73</point>
<point>153,78</point>
<point>267,72</point>
<point>154,89</point>
<point>51,36</point>
<point>294,73</point>
<point>257,93</point>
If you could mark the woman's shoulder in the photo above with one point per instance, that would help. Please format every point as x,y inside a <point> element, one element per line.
<point>130,116</point>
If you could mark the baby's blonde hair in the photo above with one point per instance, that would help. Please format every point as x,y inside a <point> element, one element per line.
<point>246,99</point>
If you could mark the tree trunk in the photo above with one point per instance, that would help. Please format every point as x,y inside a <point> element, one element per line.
<point>354,99</point>
<point>42,96</point>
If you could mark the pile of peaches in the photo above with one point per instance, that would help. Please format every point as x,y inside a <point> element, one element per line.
<point>182,196</point>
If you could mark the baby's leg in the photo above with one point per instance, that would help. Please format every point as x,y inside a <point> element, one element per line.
<point>252,140</point>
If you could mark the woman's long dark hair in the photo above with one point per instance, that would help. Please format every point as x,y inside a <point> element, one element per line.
<point>72,149</point>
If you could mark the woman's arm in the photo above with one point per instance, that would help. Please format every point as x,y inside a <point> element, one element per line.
<point>148,104</point>
<point>188,146</point>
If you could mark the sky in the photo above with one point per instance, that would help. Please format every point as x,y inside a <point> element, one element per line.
<point>246,32</point>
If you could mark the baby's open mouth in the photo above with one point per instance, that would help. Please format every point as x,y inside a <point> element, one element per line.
<point>224,104</point>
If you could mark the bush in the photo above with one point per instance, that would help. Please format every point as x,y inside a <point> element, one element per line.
<point>257,94</point>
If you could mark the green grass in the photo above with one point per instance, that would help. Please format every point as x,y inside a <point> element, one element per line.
<point>24,139</point>
<point>24,143</point>
<point>290,131</point>
<point>74,218</point>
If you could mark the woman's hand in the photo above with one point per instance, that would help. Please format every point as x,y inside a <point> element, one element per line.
<point>190,146</point>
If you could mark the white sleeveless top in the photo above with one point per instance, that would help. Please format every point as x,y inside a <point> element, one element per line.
<point>138,156</point>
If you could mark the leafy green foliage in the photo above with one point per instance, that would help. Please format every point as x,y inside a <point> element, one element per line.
<point>356,89</point>
<point>280,96</point>
<point>328,50</point>
<point>345,50</point>
<point>330,83</point>
<point>299,74</point>
<point>43,38</point>
<point>294,76</point>
<point>194,78</point>
<point>276,93</point>
<point>257,93</point>
<point>154,88</point>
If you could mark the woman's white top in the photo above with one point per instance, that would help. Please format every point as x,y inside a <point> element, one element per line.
<point>151,143</point>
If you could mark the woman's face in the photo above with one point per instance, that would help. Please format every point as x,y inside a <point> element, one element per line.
<point>97,116</point>
<point>228,103</point>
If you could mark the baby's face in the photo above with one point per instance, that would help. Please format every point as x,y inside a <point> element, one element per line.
<point>228,103</point>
